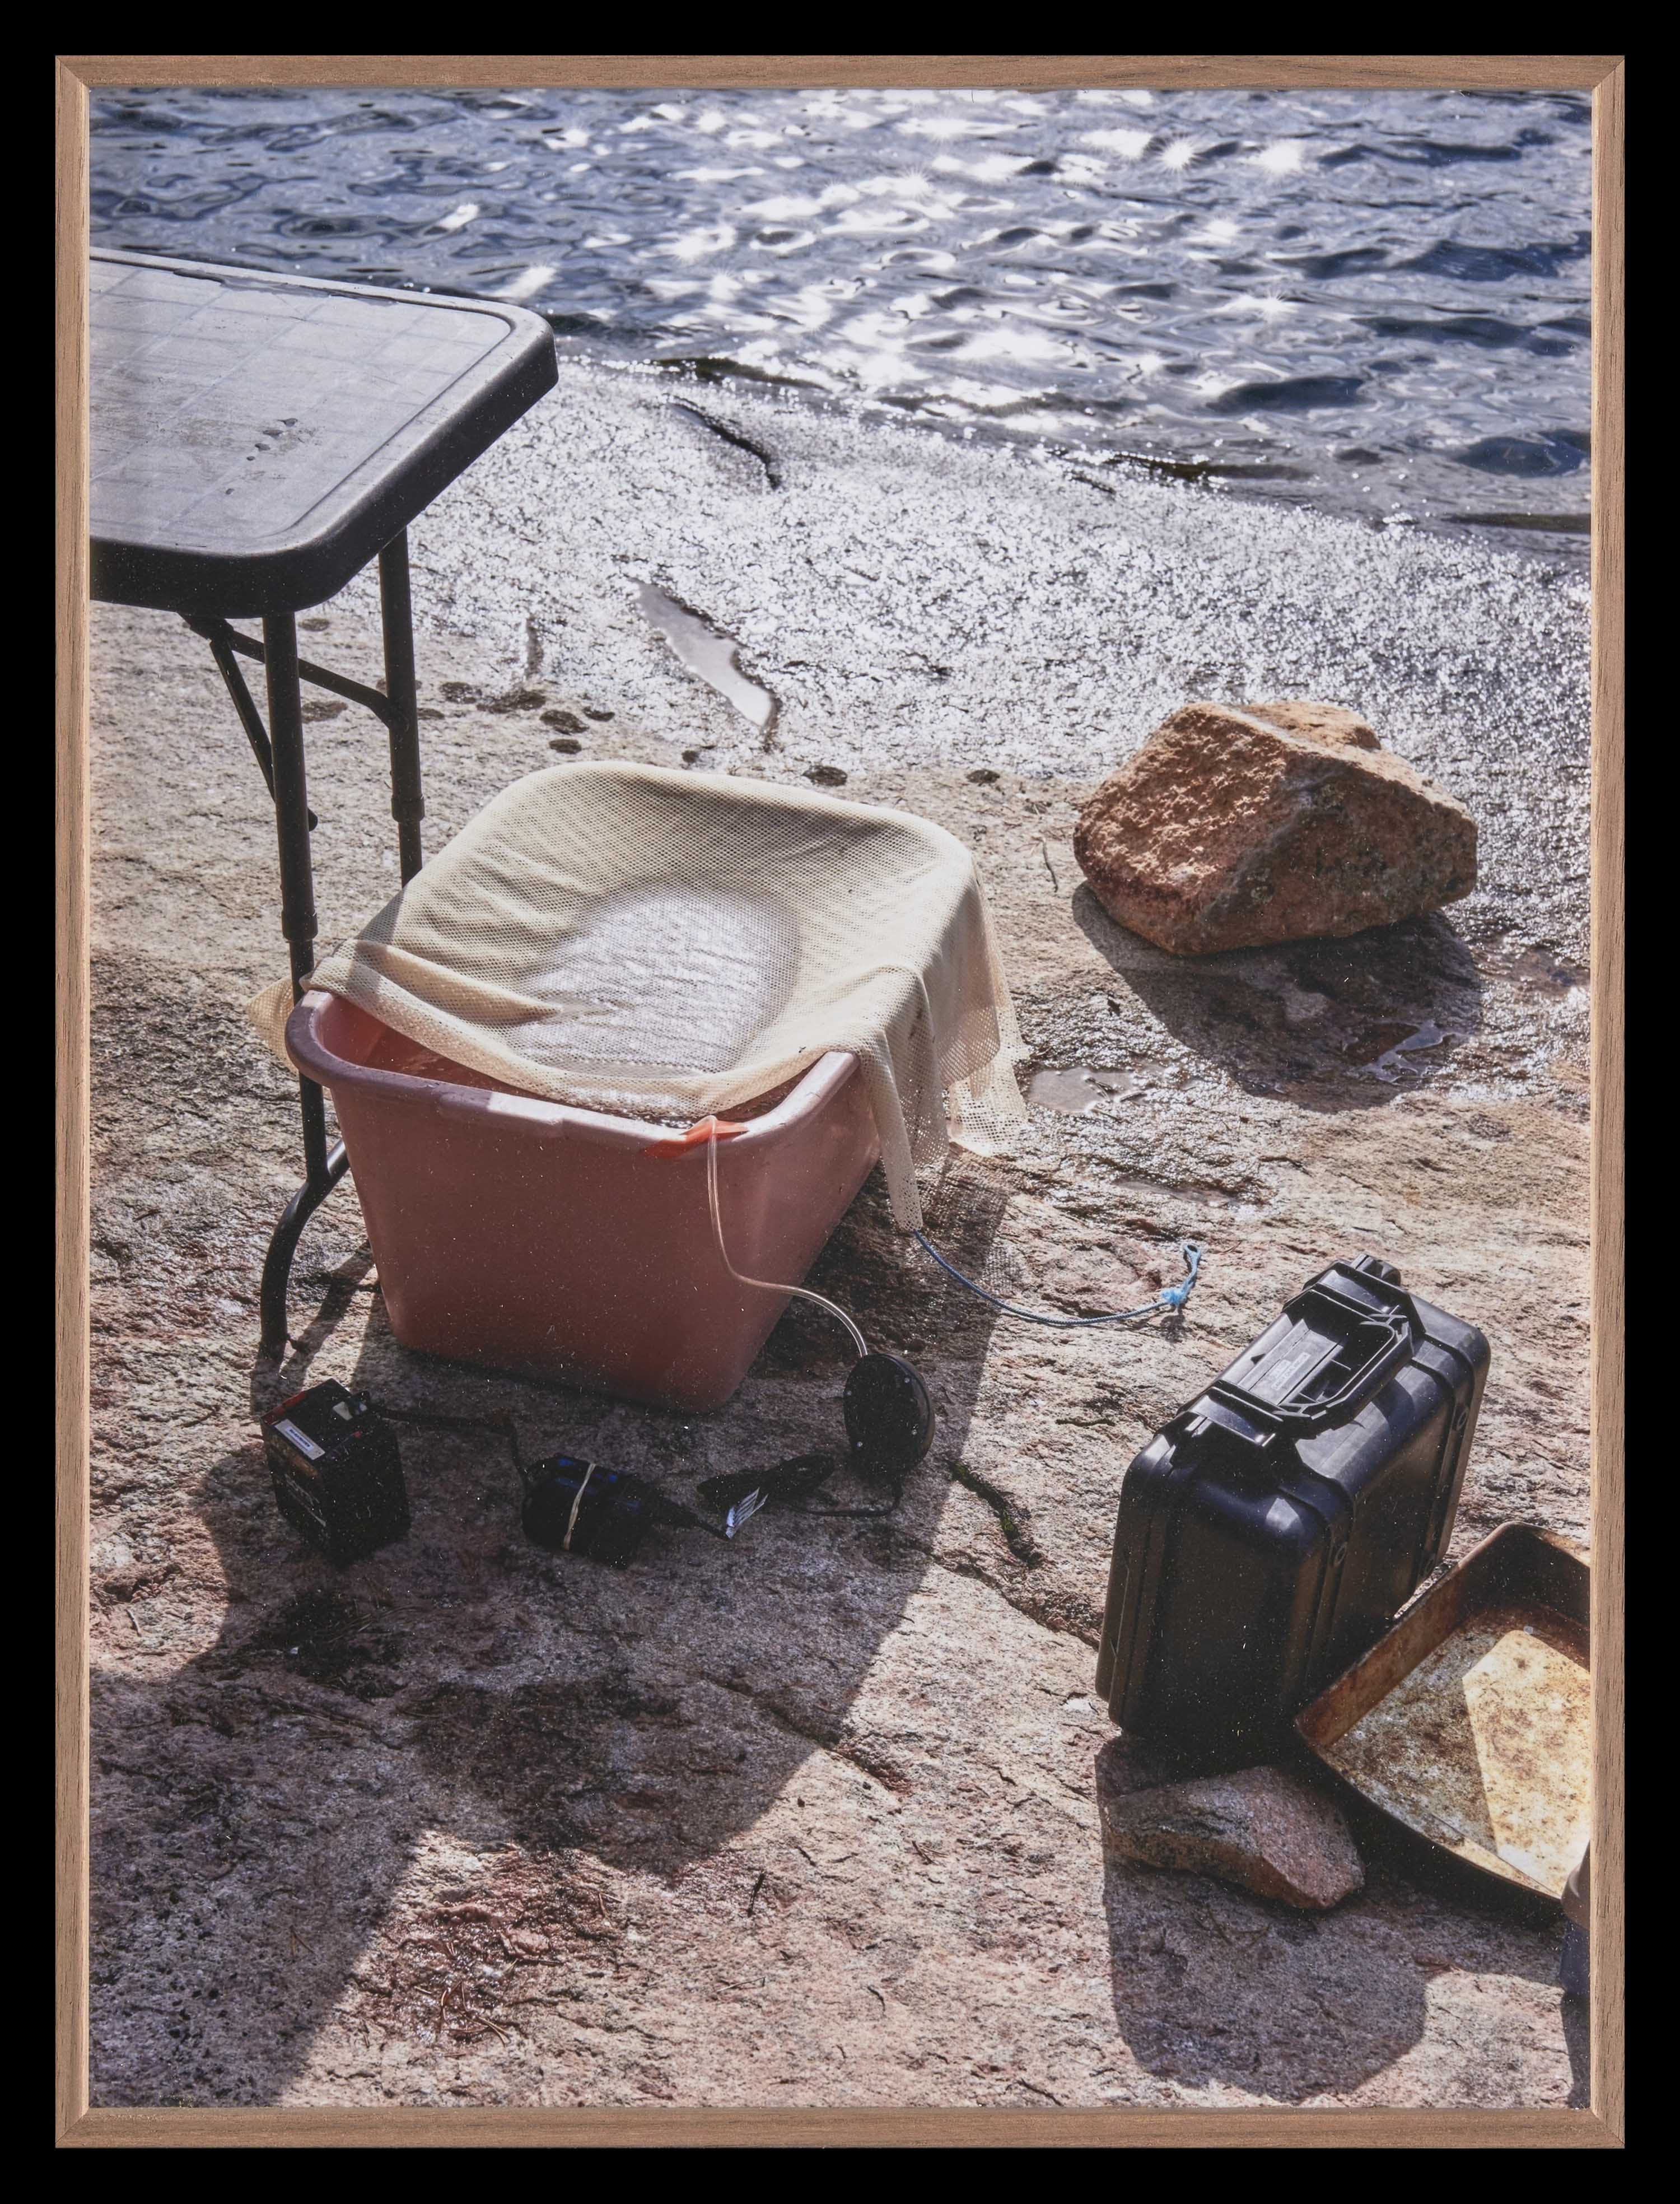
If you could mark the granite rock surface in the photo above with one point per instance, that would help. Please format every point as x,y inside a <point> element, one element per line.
<point>813,1822</point>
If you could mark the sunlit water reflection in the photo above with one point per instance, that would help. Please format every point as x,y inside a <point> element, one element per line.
<point>1373,301</point>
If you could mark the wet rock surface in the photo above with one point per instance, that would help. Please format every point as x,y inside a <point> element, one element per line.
<point>1236,828</point>
<point>814,1822</point>
<point>1260,1828</point>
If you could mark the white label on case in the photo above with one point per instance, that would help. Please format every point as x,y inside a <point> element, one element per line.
<point>306,1447</point>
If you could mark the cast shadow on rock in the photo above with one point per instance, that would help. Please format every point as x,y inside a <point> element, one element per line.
<point>1331,1024</point>
<point>1578,2036</point>
<point>266,1803</point>
<point>1214,1985</point>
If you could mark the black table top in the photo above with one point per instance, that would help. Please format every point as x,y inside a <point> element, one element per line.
<point>256,438</point>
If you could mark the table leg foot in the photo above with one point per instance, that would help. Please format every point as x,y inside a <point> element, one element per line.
<point>277,1264</point>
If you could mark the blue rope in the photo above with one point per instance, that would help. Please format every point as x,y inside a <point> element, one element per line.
<point>1170,1297</point>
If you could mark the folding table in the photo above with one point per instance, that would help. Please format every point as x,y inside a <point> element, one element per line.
<point>257,441</point>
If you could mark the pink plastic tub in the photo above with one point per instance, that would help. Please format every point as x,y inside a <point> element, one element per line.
<point>550,1240</point>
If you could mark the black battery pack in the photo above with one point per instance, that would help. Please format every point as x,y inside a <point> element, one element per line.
<point>1271,1530</point>
<point>338,1476</point>
<point>575,1507</point>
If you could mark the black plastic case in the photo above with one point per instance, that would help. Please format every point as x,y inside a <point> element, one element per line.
<point>1273,1529</point>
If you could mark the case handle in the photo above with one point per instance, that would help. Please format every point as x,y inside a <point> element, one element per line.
<point>1362,1386</point>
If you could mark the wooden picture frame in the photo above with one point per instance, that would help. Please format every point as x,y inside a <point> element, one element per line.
<point>1604,2125</point>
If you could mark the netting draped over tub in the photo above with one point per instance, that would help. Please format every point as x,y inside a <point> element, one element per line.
<point>665,945</point>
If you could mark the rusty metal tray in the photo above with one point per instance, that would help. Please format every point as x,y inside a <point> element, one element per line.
<point>1468,1725</point>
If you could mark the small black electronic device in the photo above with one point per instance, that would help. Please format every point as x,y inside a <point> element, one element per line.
<point>889,1420</point>
<point>338,1476</point>
<point>575,1507</point>
<point>889,1417</point>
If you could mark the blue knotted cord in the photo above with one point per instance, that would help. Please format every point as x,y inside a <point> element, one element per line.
<point>1170,1297</point>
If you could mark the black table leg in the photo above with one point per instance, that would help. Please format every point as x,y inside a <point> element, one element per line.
<point>407,805</point>
<point>283,1245</point>
<point>280,754</point>
<point>322,1169</point>
<point>297,871</point>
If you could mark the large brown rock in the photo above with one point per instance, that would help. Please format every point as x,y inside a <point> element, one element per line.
<point>1260,1828</point>
<point>1238,824</point>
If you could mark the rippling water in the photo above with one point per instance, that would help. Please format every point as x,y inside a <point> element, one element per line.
<point>1374,301</point>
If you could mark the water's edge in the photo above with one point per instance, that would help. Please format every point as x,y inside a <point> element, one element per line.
<point>1368,302</point>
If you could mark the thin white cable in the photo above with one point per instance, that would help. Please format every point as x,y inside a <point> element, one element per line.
<point>764,1285</point>
<point>577,1501</point>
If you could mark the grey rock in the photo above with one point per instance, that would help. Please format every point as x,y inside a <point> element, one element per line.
<point>1261,1828</point>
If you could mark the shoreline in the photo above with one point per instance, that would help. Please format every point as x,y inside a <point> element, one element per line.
<point>1559,533</point>
<point>1539,534</point>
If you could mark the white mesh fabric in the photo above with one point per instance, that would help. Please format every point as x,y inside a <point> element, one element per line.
<point>665,945</point>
